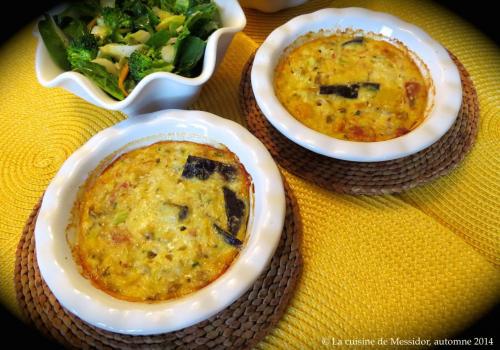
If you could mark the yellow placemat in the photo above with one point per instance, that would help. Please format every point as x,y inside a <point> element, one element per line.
<point>421,264</point>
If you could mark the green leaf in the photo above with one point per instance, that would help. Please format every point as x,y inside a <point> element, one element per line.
<point>55,41</point>
<point>203,19</point>
<point>167,5</point>
<point>76,29</point>
<point>105,80</point>
<point>181,6</point>
<point>207,28</point>
<point>190,53</point>
<point>159,39</point>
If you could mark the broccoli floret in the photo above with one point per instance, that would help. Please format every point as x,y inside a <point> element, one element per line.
<point>116,18</point>
<point>117,21</point>
<point>146,61</point>
<point>81,50</point>
<point>140,61</point>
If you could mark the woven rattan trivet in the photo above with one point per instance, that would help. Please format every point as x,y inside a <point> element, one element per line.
<point>241,325</point>
<point>368,178</point>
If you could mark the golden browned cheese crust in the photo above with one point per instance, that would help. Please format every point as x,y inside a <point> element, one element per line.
<point>351,87</point>
<point>147,226</point>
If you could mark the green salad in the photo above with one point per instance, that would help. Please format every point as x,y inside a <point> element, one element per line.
<point>117,43</point>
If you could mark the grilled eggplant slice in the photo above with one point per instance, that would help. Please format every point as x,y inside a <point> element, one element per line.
<point>228,238</point>
<point>347,91</point>
<point>356,40</point>
<point>183,212</point>
<point>203,168</point>
<point>235,209</point>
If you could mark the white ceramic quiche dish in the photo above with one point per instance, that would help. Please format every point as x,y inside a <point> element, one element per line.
<point>94,306</point>
<point>443,105</point>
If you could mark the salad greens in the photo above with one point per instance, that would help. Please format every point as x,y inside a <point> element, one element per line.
<point>116,43</point>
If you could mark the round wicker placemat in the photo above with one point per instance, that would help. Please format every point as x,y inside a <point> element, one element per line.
<point>375,178</point>
<point>242,325</point>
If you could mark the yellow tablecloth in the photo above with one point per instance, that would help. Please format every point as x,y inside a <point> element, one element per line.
<point>421,264</point>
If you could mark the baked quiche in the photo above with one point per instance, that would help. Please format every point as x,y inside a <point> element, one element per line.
<point>352,87</point>
<point>162,221</point>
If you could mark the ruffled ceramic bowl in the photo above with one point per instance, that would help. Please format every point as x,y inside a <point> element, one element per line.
<point>431,57</point>
<point>271,5</point>
<point>94,306</point>
<point>156,91</point>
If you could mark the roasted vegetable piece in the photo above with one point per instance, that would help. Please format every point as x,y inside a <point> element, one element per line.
<point>183,209</point>
<point>347,91</point>
<point>356,40</point>
<point>227,171</point>
<point>198,167</point>
<point>412,89</point>
<point>235,209</point>
<point>228,238</point>
<point>203,168</point>
<point>183,212</point>
<point>401,131</point>
<point>55,41</point>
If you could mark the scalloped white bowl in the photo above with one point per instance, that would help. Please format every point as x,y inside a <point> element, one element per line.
<point>271,6</point>
<point>94,306</point>
<point>156,91</point>
<point>442,111</point>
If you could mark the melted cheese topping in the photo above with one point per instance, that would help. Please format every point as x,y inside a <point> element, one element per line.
<point>391,91</point>
<point>146,233</point>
